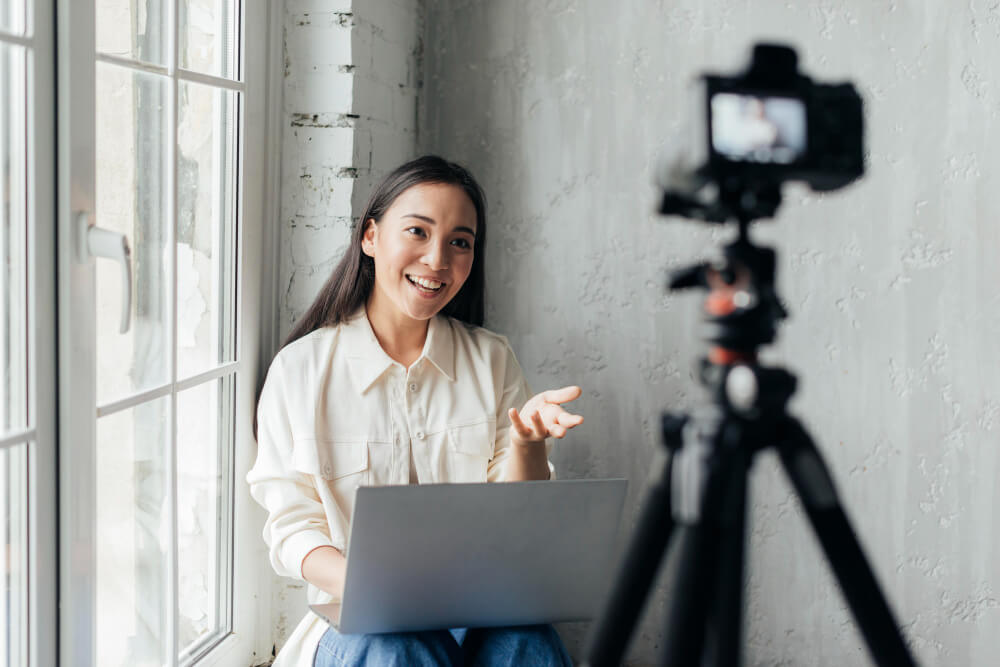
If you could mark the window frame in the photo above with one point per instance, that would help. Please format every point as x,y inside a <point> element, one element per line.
<point>257,173</point>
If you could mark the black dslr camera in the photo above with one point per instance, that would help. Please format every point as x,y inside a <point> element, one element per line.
<point>769,125</point>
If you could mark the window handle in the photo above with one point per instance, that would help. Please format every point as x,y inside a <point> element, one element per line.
<point>96,242</point>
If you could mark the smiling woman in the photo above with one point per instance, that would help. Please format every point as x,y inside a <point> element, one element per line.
<point>422,260</point>
<point>390,379</point>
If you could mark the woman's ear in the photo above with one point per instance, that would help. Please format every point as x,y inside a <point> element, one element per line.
<point>368,238</point>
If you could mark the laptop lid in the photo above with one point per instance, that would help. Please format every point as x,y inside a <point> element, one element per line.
<point>478,555</point>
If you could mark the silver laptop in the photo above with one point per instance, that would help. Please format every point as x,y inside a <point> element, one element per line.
<point>437,556</point>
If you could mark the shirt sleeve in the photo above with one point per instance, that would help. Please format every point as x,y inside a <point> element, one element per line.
<point>296,522</point>
<point>514,395</point>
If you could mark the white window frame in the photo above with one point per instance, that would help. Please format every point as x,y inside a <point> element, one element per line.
<point>259,163</point>
<point>37,41</point>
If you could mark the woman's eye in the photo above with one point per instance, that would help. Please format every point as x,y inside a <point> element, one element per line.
<point>416,231</point>
<point>462,243</point>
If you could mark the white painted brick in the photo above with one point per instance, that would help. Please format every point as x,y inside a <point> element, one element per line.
<point>321,191</point>
<point>306,6</point>
<point>373,99</point>
<point>395,20</point>
<point>320,89</point>
<point>390,148</point>
<point>317,40</point>
<point>318,241</point>
<point>390,63</point>
<point>303,284</point>
<point>362,39</point>
<point>362,149</point>
<point>326,146</point>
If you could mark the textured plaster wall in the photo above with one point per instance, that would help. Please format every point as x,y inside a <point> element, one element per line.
<point>562,109</point>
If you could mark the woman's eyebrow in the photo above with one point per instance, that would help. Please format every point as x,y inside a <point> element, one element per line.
<point>432,221</point>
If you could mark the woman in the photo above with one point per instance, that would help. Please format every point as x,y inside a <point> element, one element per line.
<point>389,379</point>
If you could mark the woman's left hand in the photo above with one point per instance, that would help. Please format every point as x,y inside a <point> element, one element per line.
<point>543,416</point>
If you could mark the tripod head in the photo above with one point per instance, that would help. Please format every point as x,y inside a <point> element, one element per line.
<point>741,310</point>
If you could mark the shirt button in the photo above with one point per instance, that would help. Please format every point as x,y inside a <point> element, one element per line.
<point>327,469</point>
<point>413,386</point>
<point>420,435</point>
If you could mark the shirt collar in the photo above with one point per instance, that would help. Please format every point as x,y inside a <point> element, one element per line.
<point>368,361</point>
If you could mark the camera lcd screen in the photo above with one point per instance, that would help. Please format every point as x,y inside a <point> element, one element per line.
<point>752,128</point>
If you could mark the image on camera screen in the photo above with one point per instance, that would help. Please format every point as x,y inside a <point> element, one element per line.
<point>751,128</point>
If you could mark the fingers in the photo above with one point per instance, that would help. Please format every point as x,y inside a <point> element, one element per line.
<point>519,426</point>
<point>539,424</point>
<point>547,417</point>
<point>534,432</point>
<point>564,395</point>
<point>569,421</point>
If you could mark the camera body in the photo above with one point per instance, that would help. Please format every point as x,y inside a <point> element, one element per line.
<point>774,124</point>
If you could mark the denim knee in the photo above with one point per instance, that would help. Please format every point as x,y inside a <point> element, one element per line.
<point>405,649</point>
<point>527,646</point>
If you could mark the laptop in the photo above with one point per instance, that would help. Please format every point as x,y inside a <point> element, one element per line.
<point>435,556</point>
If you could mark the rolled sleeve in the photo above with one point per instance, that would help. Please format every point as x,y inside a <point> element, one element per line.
<point>296,520</point>
<point>515,394</point>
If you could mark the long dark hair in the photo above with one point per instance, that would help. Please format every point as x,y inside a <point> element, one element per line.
<point>352,280</point>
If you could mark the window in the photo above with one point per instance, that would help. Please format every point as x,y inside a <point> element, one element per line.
<point>161,344</point>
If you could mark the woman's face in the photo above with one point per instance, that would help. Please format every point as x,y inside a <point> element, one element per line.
<point>423,249</point>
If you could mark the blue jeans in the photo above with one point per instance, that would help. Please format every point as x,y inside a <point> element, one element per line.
<point>524,646</point>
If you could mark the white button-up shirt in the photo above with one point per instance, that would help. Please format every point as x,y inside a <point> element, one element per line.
<point>336,412</point>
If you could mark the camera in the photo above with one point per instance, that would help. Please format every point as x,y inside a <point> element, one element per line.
<point>774,124</point>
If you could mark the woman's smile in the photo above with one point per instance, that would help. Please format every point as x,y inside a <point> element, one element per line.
<point>426,287</point>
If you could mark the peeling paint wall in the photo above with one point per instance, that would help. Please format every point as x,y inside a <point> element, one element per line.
<point>564,107</point>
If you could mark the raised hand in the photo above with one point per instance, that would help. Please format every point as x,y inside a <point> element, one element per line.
<point>543,416</point>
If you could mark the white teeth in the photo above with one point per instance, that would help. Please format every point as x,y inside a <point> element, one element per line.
<point>423,282</point>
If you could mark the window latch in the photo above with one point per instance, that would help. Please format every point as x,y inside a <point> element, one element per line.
<point>92,241</point>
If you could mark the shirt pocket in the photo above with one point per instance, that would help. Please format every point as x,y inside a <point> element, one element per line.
<point>470,448</point>
<point>342,464</point>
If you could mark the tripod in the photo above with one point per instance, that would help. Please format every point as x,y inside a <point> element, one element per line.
<point>697,491</point>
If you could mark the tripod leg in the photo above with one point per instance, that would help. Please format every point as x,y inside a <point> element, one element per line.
<point>689,603</point>
<point>814,485</point>
<point>725,618</point>
<point>611,632</point>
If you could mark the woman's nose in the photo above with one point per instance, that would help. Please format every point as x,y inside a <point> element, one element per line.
<point>436,258</point>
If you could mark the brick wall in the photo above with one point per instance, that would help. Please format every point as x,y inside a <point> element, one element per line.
<point>351,76</point>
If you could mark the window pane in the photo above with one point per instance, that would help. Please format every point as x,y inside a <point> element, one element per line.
<point>205,227</point>
<point>132,198</point>
<point>133,29</point>
<point>204,427</point>
<point>208,36</point>
<point>13,248</point>
<point>133,536</point>
<point>14,557</point>
<point>12,16</point>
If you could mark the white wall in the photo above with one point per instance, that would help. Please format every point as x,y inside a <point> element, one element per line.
<point>562,109</point>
